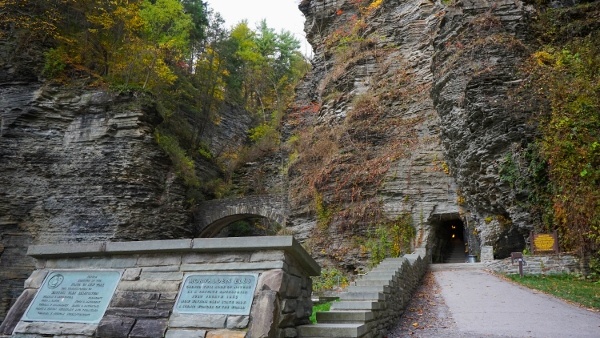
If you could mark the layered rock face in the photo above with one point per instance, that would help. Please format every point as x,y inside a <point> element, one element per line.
<point>440,77</point>
<point>479,49</point>
<point>79,166</point>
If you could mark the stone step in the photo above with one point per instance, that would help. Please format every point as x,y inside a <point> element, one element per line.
<point>369,288</point>
<point>385,277</point>
<point>393,260</point>
<point>373,282</point>
<point>332,330</point>
<point>345,317</point>
<point>357,305</point>
<point>387,272</point>
<point>374,296</point>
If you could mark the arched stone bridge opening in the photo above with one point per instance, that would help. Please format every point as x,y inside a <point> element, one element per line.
<point>211,217</point>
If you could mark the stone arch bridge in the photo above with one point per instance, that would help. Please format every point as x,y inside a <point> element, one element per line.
<point>213,216</point>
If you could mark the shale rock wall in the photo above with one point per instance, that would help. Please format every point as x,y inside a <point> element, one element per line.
<point>441,74</point>
<point>479,49</point>
<point>79,166</point>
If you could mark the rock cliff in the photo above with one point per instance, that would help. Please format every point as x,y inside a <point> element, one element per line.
<point>411,109</point>
<point>80,166</point>
<point>420,92</point>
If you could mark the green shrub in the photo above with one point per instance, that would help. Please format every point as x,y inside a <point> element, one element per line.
<point>204,151</point>
<point>324,307</point>
<point>55,62</point>
<point>390,239</point>
<point>183,164</point>
<point>329,279</point>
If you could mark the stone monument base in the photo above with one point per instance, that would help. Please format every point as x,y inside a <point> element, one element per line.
<point>233,287</point>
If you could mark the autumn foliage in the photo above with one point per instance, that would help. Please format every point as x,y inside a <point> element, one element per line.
<point>566,74</point>
<point>177,51</point>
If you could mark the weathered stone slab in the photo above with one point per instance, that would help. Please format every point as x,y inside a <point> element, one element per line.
<point>137,299</point>
<point>294,286</point>
<point>56,328</point>
<point>226,334</point>
<point>71,250</point>
<point>131,274</point>
<point>237,322</point>
<point>149,328</point>
<point>36,279</point>
<point>161,268</point>
<point>270,255</point>
<point>91,263</point>
<point>290,332</point>
<point>159,260</point>
<point>73,296</point>
<point>289,305</point>
<point>149,285</point>
<point>258,266</point>
<point>163,276</point>
<point>115,326</point>
<point>487,253</point>
<point>265,325</point>
<point>215,258</point>
<point>138,313</point>
<point>272,280</point>
<point>172,245</point>
<point>16,311</point>
<point>177,333</point>
<point>195,321</point>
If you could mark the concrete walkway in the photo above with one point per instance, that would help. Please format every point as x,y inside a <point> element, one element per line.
<point>483,305</point>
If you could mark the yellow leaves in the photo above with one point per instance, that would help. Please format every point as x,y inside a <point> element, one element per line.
<point>374,5</point>
<point>543,58</point>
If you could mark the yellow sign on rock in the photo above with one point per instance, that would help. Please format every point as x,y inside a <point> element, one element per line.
<point>544,242</point>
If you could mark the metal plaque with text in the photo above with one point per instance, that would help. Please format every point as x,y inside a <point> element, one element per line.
<point>217,294</point>
<point>73,296</point>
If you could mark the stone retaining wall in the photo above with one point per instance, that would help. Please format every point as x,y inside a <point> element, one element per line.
<point>402,287</point>
<point>538,265</point>
<point>152,274</point>
<point>373,303</point>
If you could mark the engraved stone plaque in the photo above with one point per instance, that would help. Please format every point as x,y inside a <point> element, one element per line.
<point>217,294</point>
<point>73,296</point>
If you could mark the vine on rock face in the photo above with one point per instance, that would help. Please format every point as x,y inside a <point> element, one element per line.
<point>565,73</point>
<point>346,140</point>
<point>390,239</point>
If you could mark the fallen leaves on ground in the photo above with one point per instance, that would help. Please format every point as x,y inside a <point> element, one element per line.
<point>426,314</point>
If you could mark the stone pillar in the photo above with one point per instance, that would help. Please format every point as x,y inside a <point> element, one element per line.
<point>487,253</point>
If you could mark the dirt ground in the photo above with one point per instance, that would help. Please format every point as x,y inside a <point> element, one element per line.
<point>426,315</point>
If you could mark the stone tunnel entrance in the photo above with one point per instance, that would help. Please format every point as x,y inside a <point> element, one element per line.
<point>240,226</point>
<point>238,217</point>
<point>449,240</point>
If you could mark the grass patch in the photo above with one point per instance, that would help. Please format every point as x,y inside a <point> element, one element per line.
<point>324,307</point>
<point>568,287</point>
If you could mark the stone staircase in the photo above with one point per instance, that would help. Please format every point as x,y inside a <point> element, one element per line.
<point>457,255</point>
<point>373,303</point>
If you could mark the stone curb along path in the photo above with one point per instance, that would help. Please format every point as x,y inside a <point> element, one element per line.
<point>374,303</point>
<point>483,304</point>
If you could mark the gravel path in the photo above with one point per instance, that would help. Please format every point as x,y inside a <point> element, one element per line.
<point>459,303</point>
<point>427,315</point>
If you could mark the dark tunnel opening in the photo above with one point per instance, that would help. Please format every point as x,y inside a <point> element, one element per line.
<point>449,240</point>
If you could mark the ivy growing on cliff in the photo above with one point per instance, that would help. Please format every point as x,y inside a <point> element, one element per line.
<point>566,73</point>
<point>390,239</point>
